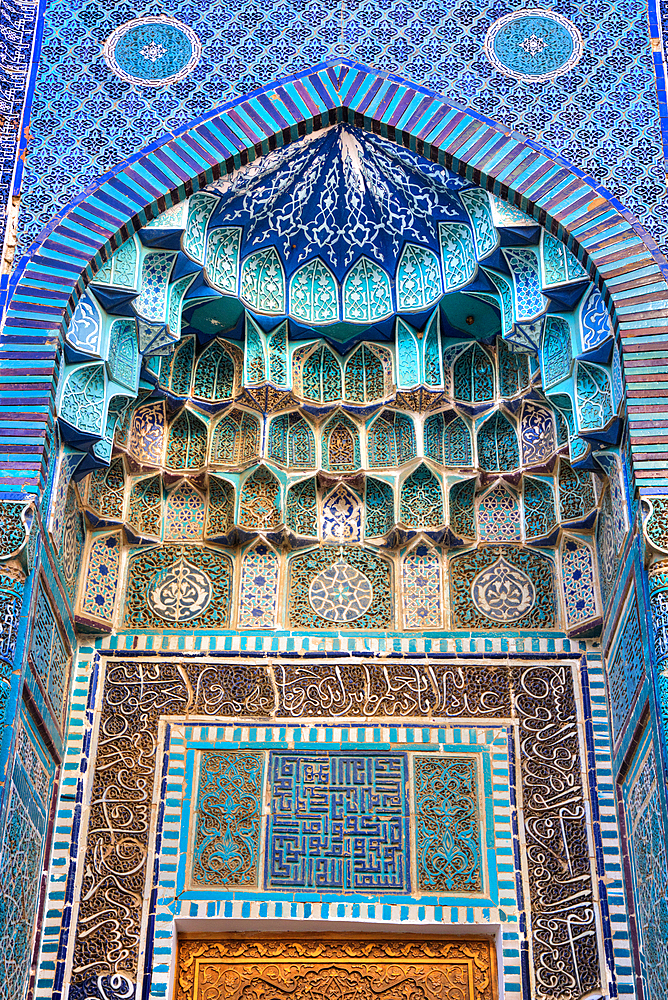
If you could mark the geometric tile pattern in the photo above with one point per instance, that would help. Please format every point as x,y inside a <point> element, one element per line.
<point>338,822</point>
<point>113,120</point>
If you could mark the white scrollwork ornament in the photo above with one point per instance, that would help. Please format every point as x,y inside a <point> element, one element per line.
<point>341,593</point>
<point>180,593</point>
<point>503,592</point>
<point>113,986</point>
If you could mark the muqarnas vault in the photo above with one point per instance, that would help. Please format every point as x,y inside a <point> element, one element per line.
<point>341,666</point>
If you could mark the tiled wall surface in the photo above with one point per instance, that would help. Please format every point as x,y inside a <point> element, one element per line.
<point>180,747</point>
<point>85,120</point>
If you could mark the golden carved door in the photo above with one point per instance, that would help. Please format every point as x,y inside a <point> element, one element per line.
<point>335,969</point>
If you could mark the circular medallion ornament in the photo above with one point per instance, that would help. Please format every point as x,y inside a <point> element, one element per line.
<point>180,593</point>
<point>340,593</point>
<point>533,44</point>
<point>152,51</point>
<point>502,592</point>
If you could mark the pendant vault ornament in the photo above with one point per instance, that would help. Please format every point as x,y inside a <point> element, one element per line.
<point>340,593</point>
<point>179,593</point>
<point>502,592</point>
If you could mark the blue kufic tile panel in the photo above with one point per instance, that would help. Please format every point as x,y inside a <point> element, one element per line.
<point>338,821</point>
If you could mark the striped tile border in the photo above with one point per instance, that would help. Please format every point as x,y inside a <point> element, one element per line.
<point>266,645</point>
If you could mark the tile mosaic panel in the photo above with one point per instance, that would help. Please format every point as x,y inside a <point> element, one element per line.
<point>422,591</point>
<point>226,844</point>
<point>184,514</point>
<point>21,856</point>
<point>447,825</point>
<point>178,584</point>
<point>502,584</point>
<point>579,583</point>
<point>258,595</point>
<point>351,588</point>
<point>625,666</point>
<point>338,821</point>
<point>98,595</point>
<point>647,838</point>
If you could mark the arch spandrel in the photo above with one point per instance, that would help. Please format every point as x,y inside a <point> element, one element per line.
<point>620,257</point>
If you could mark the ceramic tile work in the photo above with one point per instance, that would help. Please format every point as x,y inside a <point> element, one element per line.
<point>252,44</point>
<point>181,768</point>
<point>319,747</point>
<point>226,842</point>
<point>338,822</point>
<point>123,692</point>
<point>646,835</point>
<point>606,830</point>
<point>23,841</point>
<point>17,31</point>
<point>343,91</point>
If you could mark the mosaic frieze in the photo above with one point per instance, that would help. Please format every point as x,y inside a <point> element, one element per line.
<point>502,584</point>
<point>558,856</point>
<point>176,585</point>
<point>451,970</point>
<point>227,831</point>
<point>352,588</point>
<point>389,689</point>
<point>541,698</point>
<point>658,590</point>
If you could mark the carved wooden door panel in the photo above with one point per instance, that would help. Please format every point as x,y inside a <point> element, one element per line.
<point>335,969</point>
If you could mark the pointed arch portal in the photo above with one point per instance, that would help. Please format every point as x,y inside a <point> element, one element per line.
<point>617,254</point>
